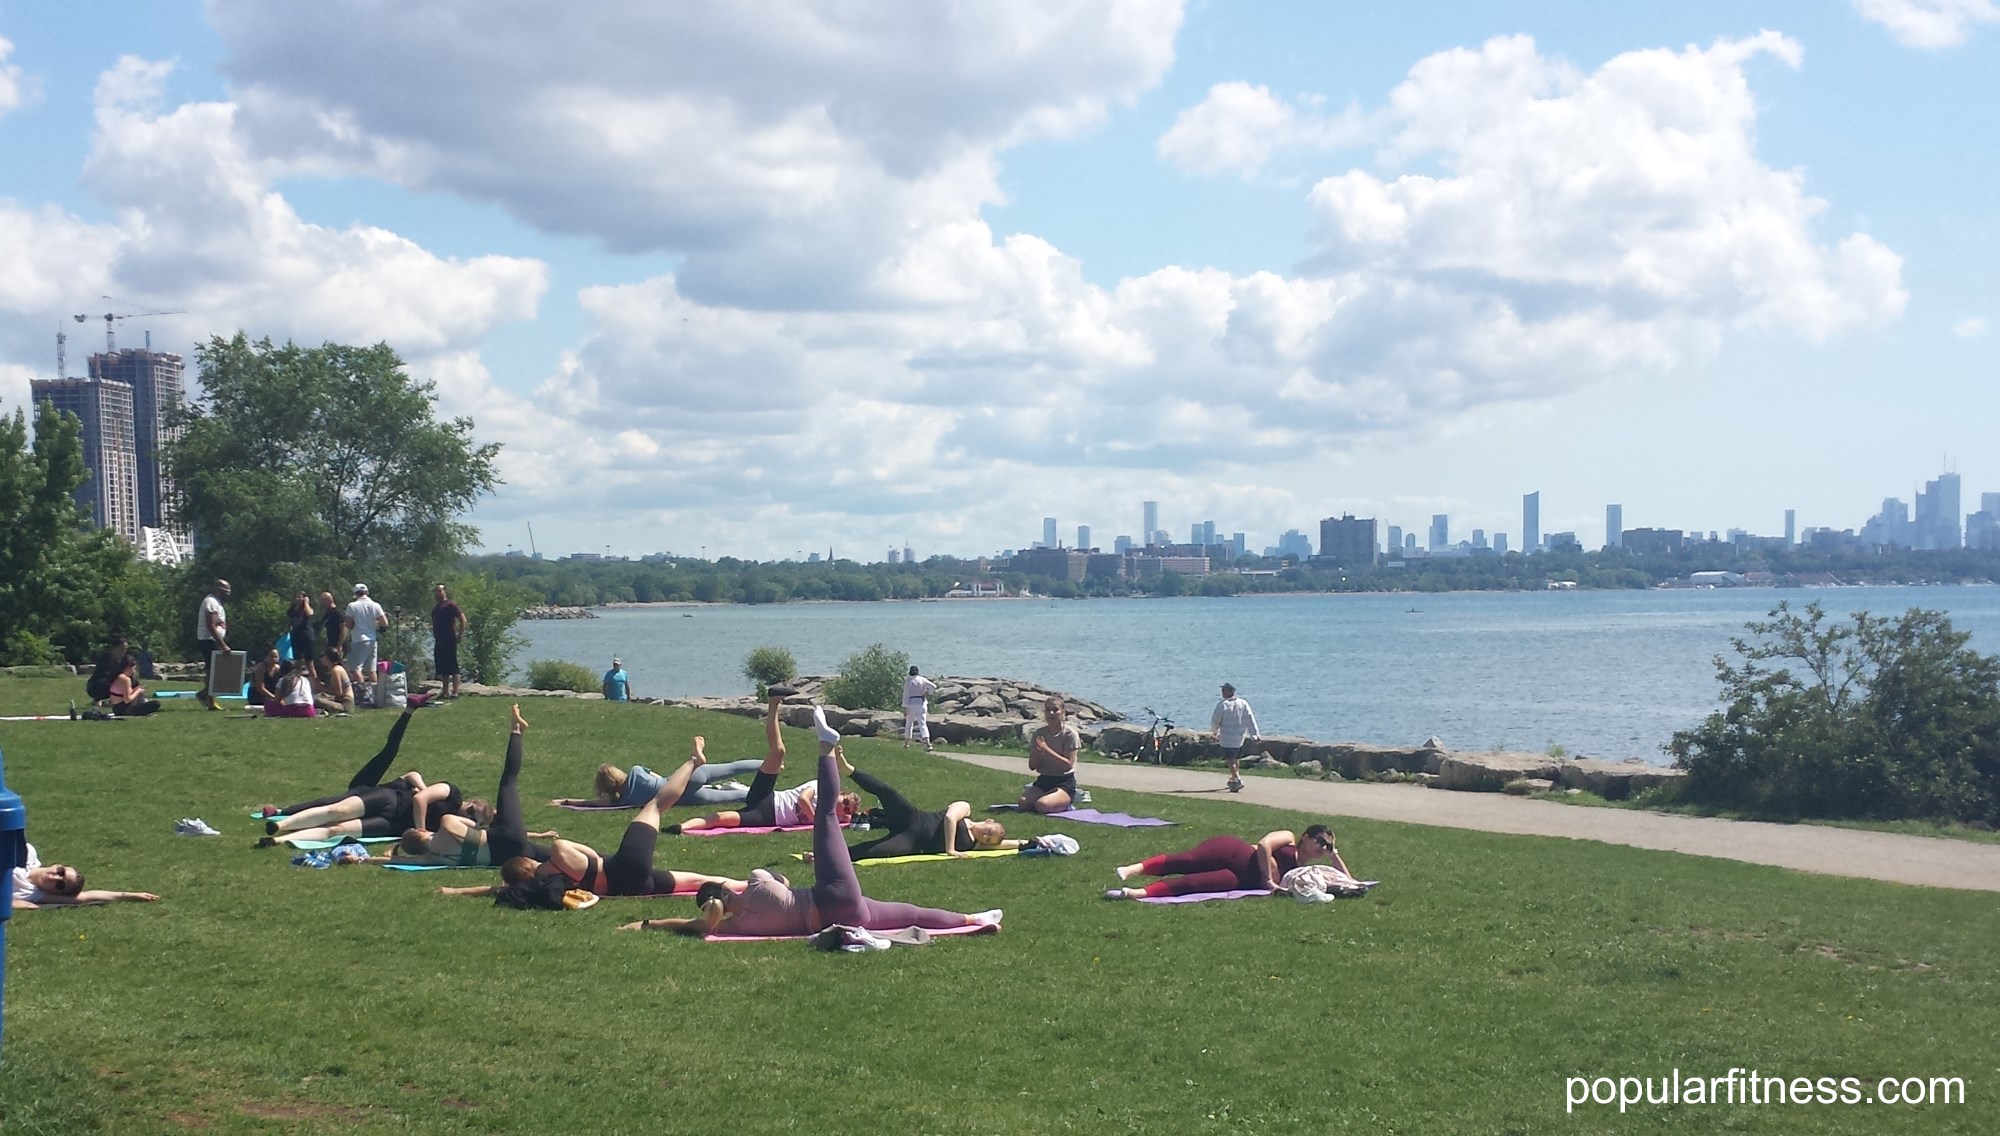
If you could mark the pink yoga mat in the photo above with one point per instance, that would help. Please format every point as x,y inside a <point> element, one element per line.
<point>1203,896</point>
<point>969,929</point>
<point>750,830</point>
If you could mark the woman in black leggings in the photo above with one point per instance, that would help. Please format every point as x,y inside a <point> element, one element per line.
<point>369,808</point>
<point>913,831</point>
<point>463,842</point>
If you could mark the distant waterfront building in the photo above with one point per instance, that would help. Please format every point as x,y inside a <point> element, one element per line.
<point>1937,514</point>
<point>1238,542</point>
<point>1479,538</point>
<point>1048,532</point>
<point>894,557</point>
<point>1982,529</point>
<point>1295,544</point>
<point>110,491</point>
<point>1148,530</point>
<point>1057,563</point>
<point>1791,527</point>
<point>1564,542</point>
<point>1083,538</point>
<point>1347,539</point>
<point>1531,521</point>
<point>1891,527</point>
<point>1395,542</point>
<point>909,557</point>
<point>1614,524</point>
<point>1207,533</point>
<point>1500,543</point>
<point>1651,542</point>
<point>1409,543</point>
<point>1440,531</point>
<point>1194,534</point>
<point>1148,567</point>
<point>812,557</point>
<point>158,387</point>
<point>1121,544</point>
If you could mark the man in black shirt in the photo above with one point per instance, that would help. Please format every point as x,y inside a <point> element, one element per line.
<point>447,628</point>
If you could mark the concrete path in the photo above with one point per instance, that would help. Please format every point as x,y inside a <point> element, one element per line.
<point>1921,860</point>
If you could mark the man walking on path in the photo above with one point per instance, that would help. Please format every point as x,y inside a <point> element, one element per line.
<point>447,628</point>
<point>365,623</point>
<point>917,709</point>
<point>211,634</point>
<point>617,684</point>
<point>1231,724</point>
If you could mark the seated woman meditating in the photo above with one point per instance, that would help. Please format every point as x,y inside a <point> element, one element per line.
<point>371,809</point>
<point>59,885</point>
<point>769,905</point>
<point>767,806</point>
<point>913,831</point>
<point>128,699</point>
<point>1230,863</point>
<point>628,871</point>
<point>461,841</point>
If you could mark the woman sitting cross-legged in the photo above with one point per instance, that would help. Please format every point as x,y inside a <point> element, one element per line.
<point>461,841</point>
<point>771,906</point>
<point>1229,863</point>
<point>128,698</point>
<point>628,871</point>
<point>767,806</point>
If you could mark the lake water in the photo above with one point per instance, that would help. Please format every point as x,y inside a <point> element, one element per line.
<point>1600,673</point>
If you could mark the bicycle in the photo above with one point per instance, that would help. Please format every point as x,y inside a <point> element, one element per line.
<point>1154,743</point>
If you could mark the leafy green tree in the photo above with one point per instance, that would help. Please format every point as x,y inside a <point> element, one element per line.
<point>492,609</point>
<point>324,463</point>
<point>1881,718</point>
<point>870,679</point>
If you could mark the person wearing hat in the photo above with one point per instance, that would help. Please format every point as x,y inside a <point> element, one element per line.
<point>617,684</point>
<point>917,709</point>
<point>365,623</point>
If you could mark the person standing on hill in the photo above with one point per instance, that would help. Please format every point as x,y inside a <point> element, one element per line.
<point>1231,724</point>
<point>365,623</point>
<point>447,628</point>
<point>332,623</point>
<point>617,684</point>
<point>211,634</point>
<point>917,709</point>
<point>300,615</point>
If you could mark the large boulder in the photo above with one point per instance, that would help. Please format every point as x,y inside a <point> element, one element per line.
<point>1615,780</point>
<point>1490,772</point>
<point>1121,738</point>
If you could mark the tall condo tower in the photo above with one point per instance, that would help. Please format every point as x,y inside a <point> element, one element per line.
<point>1614,525</point>
<point>104,407</point>
<point>1531,521</point>
<point>1152,525</point>
<point>158,386</point>
<point>1048,532</point>
<point>1083,538</point>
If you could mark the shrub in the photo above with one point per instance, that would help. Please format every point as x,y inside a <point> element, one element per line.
<point>1883,719</point>
<point>870,679</point>
<point>492,608</point>
<point>560,674</point>
<point>768,666</point>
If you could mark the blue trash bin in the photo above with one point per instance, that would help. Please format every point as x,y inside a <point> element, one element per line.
<point>13,853</point>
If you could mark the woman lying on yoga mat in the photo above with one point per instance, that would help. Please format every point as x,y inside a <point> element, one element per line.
<point>59,885</point>
<point>771,906</point>
<point>634,787</point>
<point>1229,863</point>
<point>461,841</point>
<point>628,871</point>
<point>767,806</point>
<point>913,831</point>
<point>372,809</point>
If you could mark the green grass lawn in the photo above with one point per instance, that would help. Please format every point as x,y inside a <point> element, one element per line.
<point>1457,998</point>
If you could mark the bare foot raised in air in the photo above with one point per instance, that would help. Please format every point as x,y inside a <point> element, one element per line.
<point>699,752</point>
<point>520,723</point>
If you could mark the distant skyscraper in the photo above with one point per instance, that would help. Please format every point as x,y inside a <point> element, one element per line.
<point>1500,543</point>
<point>1083,538</point>
<point>1048,532</point>
<point>1121,544</point>
<point>157,388</point>
<point>894,557</point>
<point>1531,521</point>
<point>1791,527</point>
<point>1238,543</point>
<point>1409,542</point>
<point>1395,540</point>
<point>1152,525</point>
<point>1440,531</point>
<point>1937,516</point>
<point>1614,523</point>
<point>1982,529</point>
<point>1889,528</point>
<point>908,556</point>
<point>1207,533</point>
<point>1348,539</point>
<point>1295,544</point>
<point>111,491</point>
<point>1479,538</point>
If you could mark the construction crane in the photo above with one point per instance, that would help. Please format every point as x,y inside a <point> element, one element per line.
<point>110,318</point>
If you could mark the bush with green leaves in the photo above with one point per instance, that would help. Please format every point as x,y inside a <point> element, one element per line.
<point>870,679</point>
<point>492,609</point>
<point>769,666</point>
<point>560,674</point>
<point>1880,718</point>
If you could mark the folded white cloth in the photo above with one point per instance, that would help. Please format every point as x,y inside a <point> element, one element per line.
<point>1323,883</point>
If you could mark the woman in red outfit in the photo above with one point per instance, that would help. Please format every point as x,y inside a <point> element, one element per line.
<point>1230,863</point>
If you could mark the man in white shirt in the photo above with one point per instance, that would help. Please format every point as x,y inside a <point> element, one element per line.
<point>211,634</point>
<point>365,623</point>
<point>917,709</point>
<point>1232,724</point>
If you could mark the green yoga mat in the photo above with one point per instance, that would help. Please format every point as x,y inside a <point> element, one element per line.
<point>928,857</point>
<point>316,845</point>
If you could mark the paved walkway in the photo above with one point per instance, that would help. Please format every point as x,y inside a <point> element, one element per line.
<point>1921,860</point>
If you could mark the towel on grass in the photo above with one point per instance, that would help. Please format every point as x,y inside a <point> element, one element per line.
<point>1205,896</point>
<point>1323,883</point>
<point>926,857</point>
<point>968,929</point>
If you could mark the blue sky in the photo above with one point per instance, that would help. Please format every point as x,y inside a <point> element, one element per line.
<point>758,277</point>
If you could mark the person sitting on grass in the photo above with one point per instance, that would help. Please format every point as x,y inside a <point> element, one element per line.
<point>769,905</point>
<point>128,699</point>
<point>1052,757</point>
<point>264,679</point>
<point>1230,863</point>
<point>634,787</point>
<point>294,692</point>
<point>98,686</point>
<point>59,885</point>
<point>628,871</point>
<point>336,689</point>
<point>463,842</point>
<point>767,806</point>
<point>369,808</point>
<point>915,832</point>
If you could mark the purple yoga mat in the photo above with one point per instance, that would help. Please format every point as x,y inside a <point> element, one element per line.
<point>1202,896</point>
<point>1115,820</point>
<point>969,929</point>
<point>749,830</point>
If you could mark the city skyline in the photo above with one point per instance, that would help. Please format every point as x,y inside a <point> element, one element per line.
<point>1336,258</point>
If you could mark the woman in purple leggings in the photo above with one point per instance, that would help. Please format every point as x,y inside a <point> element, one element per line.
<point>771,906</point>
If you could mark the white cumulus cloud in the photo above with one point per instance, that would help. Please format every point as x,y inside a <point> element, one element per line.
<point>16,87</point>
<point>1972,327</point>
<point>1929,23</point>
<point>1238,127</point>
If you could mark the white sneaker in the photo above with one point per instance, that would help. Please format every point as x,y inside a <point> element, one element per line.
<point>732,786</point>
<point>194,826</point>
<point>987,918</point>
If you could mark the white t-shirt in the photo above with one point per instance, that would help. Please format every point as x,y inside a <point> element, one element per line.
<point>1233,721</point>
<point>24,891</point>
<point>785,804</point>
<point>916,688</point>
<point>365,613</point>
<point>298,692</point>
<point>201,621</point>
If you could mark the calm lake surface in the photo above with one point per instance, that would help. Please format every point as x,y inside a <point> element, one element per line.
<point>1600,673</point>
